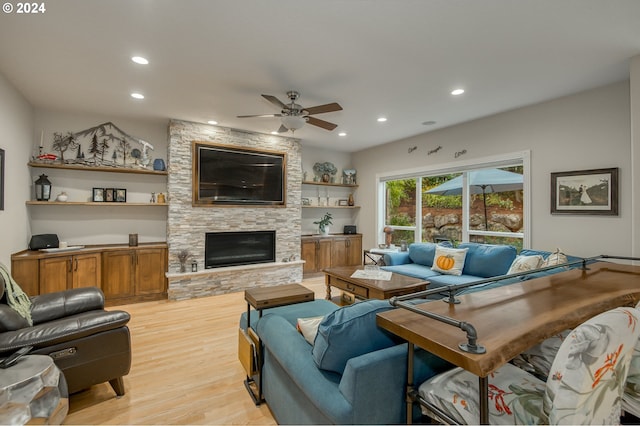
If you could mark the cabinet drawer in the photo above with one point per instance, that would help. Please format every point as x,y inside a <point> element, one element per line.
<point>351,288</point>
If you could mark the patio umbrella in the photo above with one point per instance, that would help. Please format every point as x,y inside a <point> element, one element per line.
<point>485,181</point>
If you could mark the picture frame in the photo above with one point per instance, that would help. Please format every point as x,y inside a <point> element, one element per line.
<point>98,195</point>
<point>1,179</point>
<point>120,195</point>
<point>109,195</point>
<point>306,202</point>
<point>343,203</point>
<point>585,192</point>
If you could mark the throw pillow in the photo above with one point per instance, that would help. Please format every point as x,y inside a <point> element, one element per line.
<point>449,261</point>
<point>525,263</point>
<point>555,258</point>
<point>349,332</point>
<point>308,327</point>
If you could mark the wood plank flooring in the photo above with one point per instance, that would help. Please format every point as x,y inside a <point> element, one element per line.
<point>185,367</point>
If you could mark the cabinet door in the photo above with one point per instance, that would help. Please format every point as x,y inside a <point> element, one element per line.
<point>150,271</point>
<point>118,273</point>
<point>308,254</point>
<point>55,272</point>
<point>26,274</point>
<point>354,250</point>
<point>339,253</point>
<point>86,270</point>
<point>323,254</point>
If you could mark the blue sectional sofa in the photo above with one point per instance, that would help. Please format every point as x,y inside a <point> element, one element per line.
<point>355,372</point>
<point>482,261</point>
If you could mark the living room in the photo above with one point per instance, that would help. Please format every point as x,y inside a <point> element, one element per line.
<point>578,128</point>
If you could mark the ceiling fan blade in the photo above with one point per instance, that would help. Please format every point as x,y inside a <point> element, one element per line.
<point>275,101</point>
<point>260,115</point>
<point>282,129</point>
<point>321,123</point>
<point>323,108</point>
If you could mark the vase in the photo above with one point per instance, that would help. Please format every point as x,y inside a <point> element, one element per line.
<point>158,164</point>
<point>350,201</point>
<point>324,231</point>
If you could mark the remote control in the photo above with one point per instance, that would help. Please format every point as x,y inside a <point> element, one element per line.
<point>14,357</point>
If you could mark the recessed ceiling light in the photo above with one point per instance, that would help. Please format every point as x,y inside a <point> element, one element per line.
<point>140,60</point>
<point>137,95</point>
<point>342,134</point>
<point>382,119</point>
<point>213,122</point>
<point>457,92</point>
<point>428,123</point>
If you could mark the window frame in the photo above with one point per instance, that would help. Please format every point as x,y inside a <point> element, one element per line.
<point>505,160</point>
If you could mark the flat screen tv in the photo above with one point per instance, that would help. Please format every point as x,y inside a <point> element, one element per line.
<point>233,176</point>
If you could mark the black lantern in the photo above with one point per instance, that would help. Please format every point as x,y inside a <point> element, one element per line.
<point>43,188</point>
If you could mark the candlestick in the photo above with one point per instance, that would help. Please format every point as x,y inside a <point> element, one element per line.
<point>41,138</point>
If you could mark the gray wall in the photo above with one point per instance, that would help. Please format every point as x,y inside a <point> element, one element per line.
<point>588,130</point>
<point>16,122</point>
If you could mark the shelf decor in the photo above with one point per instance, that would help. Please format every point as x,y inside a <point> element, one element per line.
<point>325,171</point>
<point>590,192</point>
<point>43,188</point>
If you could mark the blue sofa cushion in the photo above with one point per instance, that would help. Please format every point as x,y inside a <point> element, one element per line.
<point>413,270</point>
<point>349,332</point>
<point>423,253</point>
<point>487,260</point>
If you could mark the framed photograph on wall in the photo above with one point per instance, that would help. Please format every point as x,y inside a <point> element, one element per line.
<point>121,195</point>
<point>1,179</point>
<point>591,192</point>
<point>98,195</point>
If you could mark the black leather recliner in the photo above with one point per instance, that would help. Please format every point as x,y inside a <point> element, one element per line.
<point>88,344</point>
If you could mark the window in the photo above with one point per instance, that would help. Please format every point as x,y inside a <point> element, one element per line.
<point>481,202</point>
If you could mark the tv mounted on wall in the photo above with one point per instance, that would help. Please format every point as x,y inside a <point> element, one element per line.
<point>232,176</point>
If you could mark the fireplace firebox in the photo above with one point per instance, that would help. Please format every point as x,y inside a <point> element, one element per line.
<point>239,248</point>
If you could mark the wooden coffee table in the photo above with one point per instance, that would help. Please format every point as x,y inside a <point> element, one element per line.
<point>371,289</point>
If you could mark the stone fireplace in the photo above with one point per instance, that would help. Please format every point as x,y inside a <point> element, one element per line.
<point>187,225</point>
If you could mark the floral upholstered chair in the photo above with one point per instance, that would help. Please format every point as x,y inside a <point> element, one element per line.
<point>585,384</point>
<point>631,397</point>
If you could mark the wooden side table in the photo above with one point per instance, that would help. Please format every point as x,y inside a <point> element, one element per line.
<point>33,391</point>
<point>264,298</point>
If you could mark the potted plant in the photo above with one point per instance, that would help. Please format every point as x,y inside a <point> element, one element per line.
<point>324,222</point>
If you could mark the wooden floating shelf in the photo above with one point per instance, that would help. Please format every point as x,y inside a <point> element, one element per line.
<point>346,185</point>
<point>330,207</point>
<point>92,204</point>
<point>98,168</point>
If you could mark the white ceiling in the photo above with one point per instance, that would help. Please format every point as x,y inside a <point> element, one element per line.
<point>212,59</point>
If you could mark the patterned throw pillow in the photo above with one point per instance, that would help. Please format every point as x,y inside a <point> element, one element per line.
<point>449,261</point>
<point>555,258</point>
<point>525,263</point>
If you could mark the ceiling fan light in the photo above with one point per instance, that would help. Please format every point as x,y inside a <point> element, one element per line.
<point>293,122</point>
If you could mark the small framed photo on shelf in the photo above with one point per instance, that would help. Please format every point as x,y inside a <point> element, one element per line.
<point>98,195</point>
<point>121,195</point>
<point>343,203</point>
<point>109,195</point>
<point>306,202</point>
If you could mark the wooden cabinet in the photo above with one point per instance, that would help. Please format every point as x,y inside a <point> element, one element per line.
<point>63,272</point>
<point>316,252</point>
<point>134,274</point>
<point>331,251</point>
<point>125,274</point>
<point>346,250</point>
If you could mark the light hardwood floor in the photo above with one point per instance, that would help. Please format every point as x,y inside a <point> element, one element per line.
<point>185,367</point>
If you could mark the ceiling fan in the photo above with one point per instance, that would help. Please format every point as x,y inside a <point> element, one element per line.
<point>294,116</point>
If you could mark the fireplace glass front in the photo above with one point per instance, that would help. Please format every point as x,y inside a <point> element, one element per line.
<point>239,248</point>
